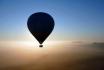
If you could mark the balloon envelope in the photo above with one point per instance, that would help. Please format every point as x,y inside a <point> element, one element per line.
<point>40,25</point>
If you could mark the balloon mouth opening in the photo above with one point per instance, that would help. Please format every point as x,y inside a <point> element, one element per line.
<point>40,45</point>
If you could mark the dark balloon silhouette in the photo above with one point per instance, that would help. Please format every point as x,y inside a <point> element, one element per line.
<point>40,24</point>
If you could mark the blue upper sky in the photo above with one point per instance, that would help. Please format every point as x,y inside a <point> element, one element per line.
<point>74,19</point>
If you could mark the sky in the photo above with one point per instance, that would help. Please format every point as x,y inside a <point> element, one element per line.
<point>75,20</point>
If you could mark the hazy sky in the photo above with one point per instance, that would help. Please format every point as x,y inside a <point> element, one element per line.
<point>74,19</point>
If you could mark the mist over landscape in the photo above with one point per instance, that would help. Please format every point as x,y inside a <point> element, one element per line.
<point>53,56</point>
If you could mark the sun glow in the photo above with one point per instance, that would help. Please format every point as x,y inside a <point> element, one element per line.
<point>46,43</point>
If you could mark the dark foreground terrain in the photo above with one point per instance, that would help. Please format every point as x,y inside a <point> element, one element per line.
<point>54,57</point>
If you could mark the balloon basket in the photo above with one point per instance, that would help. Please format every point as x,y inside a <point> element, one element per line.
<point>40,45</point>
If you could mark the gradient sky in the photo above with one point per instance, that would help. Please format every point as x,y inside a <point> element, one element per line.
<point>78,20</point>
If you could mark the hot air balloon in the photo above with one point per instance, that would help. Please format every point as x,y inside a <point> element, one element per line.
<point>40,25</point>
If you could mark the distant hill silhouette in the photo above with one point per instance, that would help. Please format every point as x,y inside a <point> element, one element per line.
<point>98,44</point>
